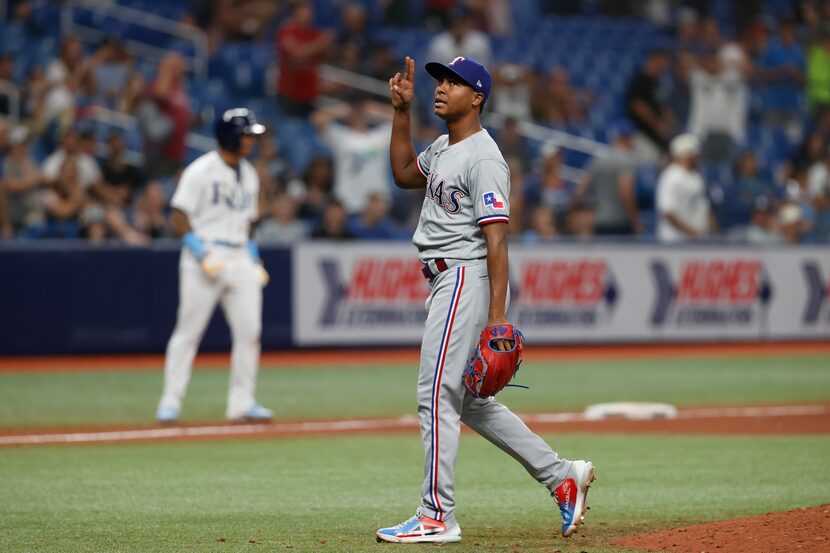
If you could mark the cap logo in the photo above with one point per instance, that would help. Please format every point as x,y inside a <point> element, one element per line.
<point>478,83</point>
<point>459,58</point>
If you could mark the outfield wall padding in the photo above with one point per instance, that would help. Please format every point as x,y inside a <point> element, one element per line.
<point>63,298</point>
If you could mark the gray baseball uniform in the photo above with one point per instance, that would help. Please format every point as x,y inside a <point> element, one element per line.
<point>467,186</point>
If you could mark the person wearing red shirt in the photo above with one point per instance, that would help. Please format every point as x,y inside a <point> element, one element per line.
<point>165,147</point>
<point>302,47</point>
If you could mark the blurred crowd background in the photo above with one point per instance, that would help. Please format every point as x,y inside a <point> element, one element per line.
<point>102,104</point>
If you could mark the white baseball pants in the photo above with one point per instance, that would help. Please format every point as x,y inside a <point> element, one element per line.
<point>239,290</point>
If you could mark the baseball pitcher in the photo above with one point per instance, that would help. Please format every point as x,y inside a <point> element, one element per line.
<point>461,241</point>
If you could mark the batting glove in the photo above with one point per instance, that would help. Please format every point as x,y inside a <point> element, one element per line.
<point>264,277</point>
<point>211,266</point>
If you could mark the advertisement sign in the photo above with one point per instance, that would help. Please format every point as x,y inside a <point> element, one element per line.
<point>358,294</point>
<point>802,306</point>
<point>574,293</point>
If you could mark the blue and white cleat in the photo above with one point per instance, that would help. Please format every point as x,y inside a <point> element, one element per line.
<point>420,529</point>
<point>167,414</point>
<point>571,496</point>
<point>257,413</point>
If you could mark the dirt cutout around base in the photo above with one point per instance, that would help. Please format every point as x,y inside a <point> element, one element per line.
<point>806,530</point>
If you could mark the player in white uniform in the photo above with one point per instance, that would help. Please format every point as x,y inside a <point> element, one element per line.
<point>214,209</point>
<point>462,242</point>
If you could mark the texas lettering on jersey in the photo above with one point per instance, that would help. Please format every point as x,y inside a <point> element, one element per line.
<point>448,199</point>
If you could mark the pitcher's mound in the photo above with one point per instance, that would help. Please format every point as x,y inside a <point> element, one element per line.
<point>806,530</point>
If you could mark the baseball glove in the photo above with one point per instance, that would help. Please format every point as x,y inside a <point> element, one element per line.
<point>490,369</point>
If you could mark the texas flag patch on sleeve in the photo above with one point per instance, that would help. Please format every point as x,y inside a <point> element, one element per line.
<point>491,199</point>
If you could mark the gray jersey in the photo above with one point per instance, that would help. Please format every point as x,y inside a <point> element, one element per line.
<point>468,184</point>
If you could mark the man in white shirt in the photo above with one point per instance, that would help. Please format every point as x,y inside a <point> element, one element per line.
<point>682,204</point>
<point>361,160</point>
<point>719,101</point>
<point>461,40</point>
<point>89,173</point>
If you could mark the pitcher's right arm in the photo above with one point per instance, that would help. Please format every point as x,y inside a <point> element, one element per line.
<point>402,153</point>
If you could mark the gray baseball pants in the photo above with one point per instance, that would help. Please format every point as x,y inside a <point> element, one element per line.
<point>457,311</point>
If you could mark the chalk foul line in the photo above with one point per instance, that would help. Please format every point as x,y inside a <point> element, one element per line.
<point>364,425</point>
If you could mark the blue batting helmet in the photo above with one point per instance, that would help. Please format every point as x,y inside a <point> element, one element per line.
<point>232,124</point>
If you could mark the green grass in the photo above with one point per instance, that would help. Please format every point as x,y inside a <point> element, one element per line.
<point>49,399</point>
<point>330,494</point>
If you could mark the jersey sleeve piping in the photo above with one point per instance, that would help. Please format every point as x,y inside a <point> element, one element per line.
<point>488,219</point>
<point>420,168</point>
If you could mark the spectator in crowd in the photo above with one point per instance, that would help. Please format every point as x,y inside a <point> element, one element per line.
<point>164,118</point>
<point>781,69</point>
<point>5,144</point>
<point>818,192</point>
<point>63,78</point>
<point>580,220</point>
<point>549,187</point>
<point>301,48</point>
<point>281,225</point>
<point>93,225</point>
<point>818,70</point>
<point>557,102</point>
<point>85,168</point>
<point>652,119</point>
<point>314,190</point>
<point>792,223</point>
<point>124,178</point>
<point>679,101</point>
<point>518,202</point>
<point>720,102</point>
<point>811,151</point>
<point>63,200</point>
<point>22,180</point>
<point>460,40</point>
<point>438,13</point>
<point>238,20</point>
<point>361,162</point>
<point>333,225</point>
<point>149,215</point>
<point>108,71</point>
<point>133,94</point>
<point>687,36</point>
<point>513,91</point>
<point>748,182</point>
<point>763,225</point>
<point>382,62</point>
<point>354,30</point>
<point>6,74</point>
<point>513,144</point>
<point>374,222</point>
<point>270,166</point>
<point>682,205</point>
<point>542,226</point>
<point>611,182</point>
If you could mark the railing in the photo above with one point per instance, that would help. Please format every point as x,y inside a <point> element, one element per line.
<point>198,64</point>
<point>128,123</point>
<point>12,92</point>
<point>354,80</point>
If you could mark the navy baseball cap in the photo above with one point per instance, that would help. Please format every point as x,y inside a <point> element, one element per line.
<point>468,70</point>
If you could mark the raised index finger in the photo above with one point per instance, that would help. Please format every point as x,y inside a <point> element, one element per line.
<point>409,71</point>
